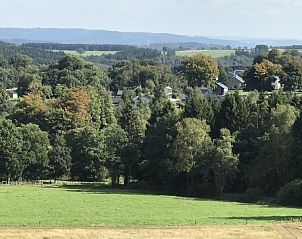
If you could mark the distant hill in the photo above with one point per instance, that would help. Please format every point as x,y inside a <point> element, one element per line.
<point>25,35</point>
<point>78,36</point>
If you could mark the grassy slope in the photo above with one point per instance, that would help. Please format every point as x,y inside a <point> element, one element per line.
<point>212,53</point>
<point>37,205</point>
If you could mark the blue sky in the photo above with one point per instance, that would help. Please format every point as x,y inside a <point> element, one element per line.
<point>241,18</point>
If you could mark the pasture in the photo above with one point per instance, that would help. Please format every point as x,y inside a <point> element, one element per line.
<point>78,206</point>
<point>212,53</point>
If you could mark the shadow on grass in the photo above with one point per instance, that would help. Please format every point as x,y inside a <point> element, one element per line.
<point>264,218</point>
<point>98,188</point>
<point>104,189</point>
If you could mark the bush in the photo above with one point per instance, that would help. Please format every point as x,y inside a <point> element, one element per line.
<point>291,193</point>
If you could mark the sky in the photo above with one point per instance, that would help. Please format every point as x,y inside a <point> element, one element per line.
<point>225,18</point>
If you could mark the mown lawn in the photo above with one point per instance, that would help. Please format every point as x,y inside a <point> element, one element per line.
<point>212,53</point>
<point>83,206</point>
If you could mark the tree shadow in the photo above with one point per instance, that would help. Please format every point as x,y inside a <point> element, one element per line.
<point>100,188</point>
<point>106,189</point>
<point>264,218</point>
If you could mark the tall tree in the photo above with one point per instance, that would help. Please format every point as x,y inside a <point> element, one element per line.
<point>224,161</point>
<point>192,140</point>
<point>88,153</point>
<point>59,157</point>
<point>10,150</point>
<point>199,70</point>
<point>34,160</point>
<point>197,106</point>
<point>116,141</point>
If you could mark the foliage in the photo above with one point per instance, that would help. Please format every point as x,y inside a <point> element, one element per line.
<point>59,157</point>
<point>199,70</point>
<point>291,193</point>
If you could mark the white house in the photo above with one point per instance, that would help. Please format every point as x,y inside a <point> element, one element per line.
<point>168,92</point>
<point>276,84</point>
<point>12,93</point>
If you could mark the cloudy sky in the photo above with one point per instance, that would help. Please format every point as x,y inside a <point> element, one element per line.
<point>238,18</point>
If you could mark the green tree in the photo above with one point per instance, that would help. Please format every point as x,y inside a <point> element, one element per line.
<point>269,171</point>
<point>59,157</point>
<point>199,70</point>
<point>191,142</point>
<point>197,106</point>
<point>10,150</point>
<point>5,105</point>
<point>34,160</point>
<point>116,141</point>
<point>88,153</point>
<point>234,113</point>
<point>224,161</point>
<point>158,164</point>
<point>134,122</point>
<point>19,60</point>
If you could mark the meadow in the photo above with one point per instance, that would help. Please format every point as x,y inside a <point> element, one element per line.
<point>89,53</point>
<point>212,53</point>
<point>78,206</point>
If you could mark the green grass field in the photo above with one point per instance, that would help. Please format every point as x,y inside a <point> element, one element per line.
<point>89,53</point>
<point>82,206</point>
<point>212,53</point>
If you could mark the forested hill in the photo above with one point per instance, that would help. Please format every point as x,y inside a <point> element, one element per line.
<point>25,35</point>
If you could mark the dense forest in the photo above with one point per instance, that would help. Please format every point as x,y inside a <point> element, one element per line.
<point>65,126</point>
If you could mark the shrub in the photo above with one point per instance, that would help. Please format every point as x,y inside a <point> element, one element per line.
<point>291,193</point>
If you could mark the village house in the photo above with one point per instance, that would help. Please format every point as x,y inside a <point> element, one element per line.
<point>12,93</point>
<point>235,81</point>
<point>276,84</point>
<point>145,98</point>
<point>221,89</point>
<point>168,92</point>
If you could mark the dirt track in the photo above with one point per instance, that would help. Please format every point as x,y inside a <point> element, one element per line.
<point>286,231</point>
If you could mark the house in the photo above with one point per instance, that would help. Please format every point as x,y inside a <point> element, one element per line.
<point>116,100</point>
<point>12,93</point>
<point>221,89</point>
<point>119,93</point>
<point>145,98</point>
<point>276,84</point>
<point>168,92</point>
<point>239,72</point>
<point>183,97</point>
<point>205,91</point>
<point>235,81</point>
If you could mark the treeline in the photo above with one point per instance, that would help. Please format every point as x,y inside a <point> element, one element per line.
<point>39,56</point>
<point>65,126</point>
<point>76,47</point>
<point>167,56</point>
